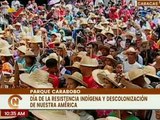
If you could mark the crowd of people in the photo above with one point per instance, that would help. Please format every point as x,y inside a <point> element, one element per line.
<point>83,44</point>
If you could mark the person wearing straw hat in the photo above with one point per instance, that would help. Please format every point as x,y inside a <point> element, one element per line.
<point>36,48</point>
<point>7,60</point>
<point>20,54</point>
<point>109,118</point>
<point>4,44</point>
<point>74,81</point>
<point>110,37</point>
<point>30,62</point>
<point>110,61</point>
<point>150,73</point>
<point>137,77</point>
<point>74,68</point>
<point>131,63</point>
<point>17,30</point>
<point>89,64</point>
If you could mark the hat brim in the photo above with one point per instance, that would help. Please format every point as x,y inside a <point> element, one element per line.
<point>110,78</point>
<point>95,73</point>
<point>6,55</point>
<point>25,78</point>
<point>66,76</point>
<point>87,65</point>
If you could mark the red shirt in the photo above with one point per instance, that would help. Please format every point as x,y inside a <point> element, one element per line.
<point>55,79</point>
<point>90,82</point>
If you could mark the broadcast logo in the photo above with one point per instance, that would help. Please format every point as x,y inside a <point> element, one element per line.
<point>13,101</point>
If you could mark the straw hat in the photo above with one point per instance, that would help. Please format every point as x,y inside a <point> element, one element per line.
<point>36,39</point>
<point>97,72</point>
<point>29,53</point>
<point>90,21</point>
<point>37,79</point>
<point>54,114</point>
<point>75,66</point>
<point>10,27</point>
<point>62,46</point>
<point>150,71</point>
<point>76,76</point>
<point>131,50</point>
<point>100,27</point>
<point>89,62</point>
<point>81,54</point>
<point>57,40</point>
<point>103,32</point>
<point>5,52</point>
<point>80,45</point>
<point>130,34</point>
<point>83,22</point>
<point>110,31</point>
<point>133,74</point>
<point>52,55</point>
<point>22,48</point>
<point>17,24</point>
<point>4,44</point>
<point>111,58</point>
<point>92,15</point>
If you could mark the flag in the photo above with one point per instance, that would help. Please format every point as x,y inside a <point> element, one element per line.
<point>18,12</point>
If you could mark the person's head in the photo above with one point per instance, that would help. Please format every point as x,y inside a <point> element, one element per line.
<point>34,46</point>
<point>72,84</point>
<point>119,68</point>
<point>131,55</point>
<point>52,65</point>
<point>113,51</point>
<point>17,27</point>
<point>5,58</point>
<point>109,36</point>
<point>20,54</point>
<point>104,50</point>
<point>30,60</point>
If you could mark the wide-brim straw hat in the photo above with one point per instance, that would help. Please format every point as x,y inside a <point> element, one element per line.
<point>110,77</point>
<point>36,39</point>
<point>36,79</point>
<point>130,50</point>
<point>99,27</point>
<point>76,76</point>
<point>76,65</point>
<point>5,52</point>
<point>62,46</point>
<point>4,44</point>
<point>110,31</point>
<point>103,32</point>
<point>52,56</point>
<point>111,58</point>
<point>29,53</point>
<point>130,34</point>
<point>22,49</point>
<point>17,24</point>
<point>133,74</point>
<point>83,22</point>
<point>54,114</point>
<point>150,71</point>
<point>10,27</point>
<point>80,45</point>
<point>89,62</point>
<point>57,40</point>
<point>6,117</point>
<point>97,72</point>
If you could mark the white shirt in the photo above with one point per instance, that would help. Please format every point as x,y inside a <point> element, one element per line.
<point>128,67</point>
